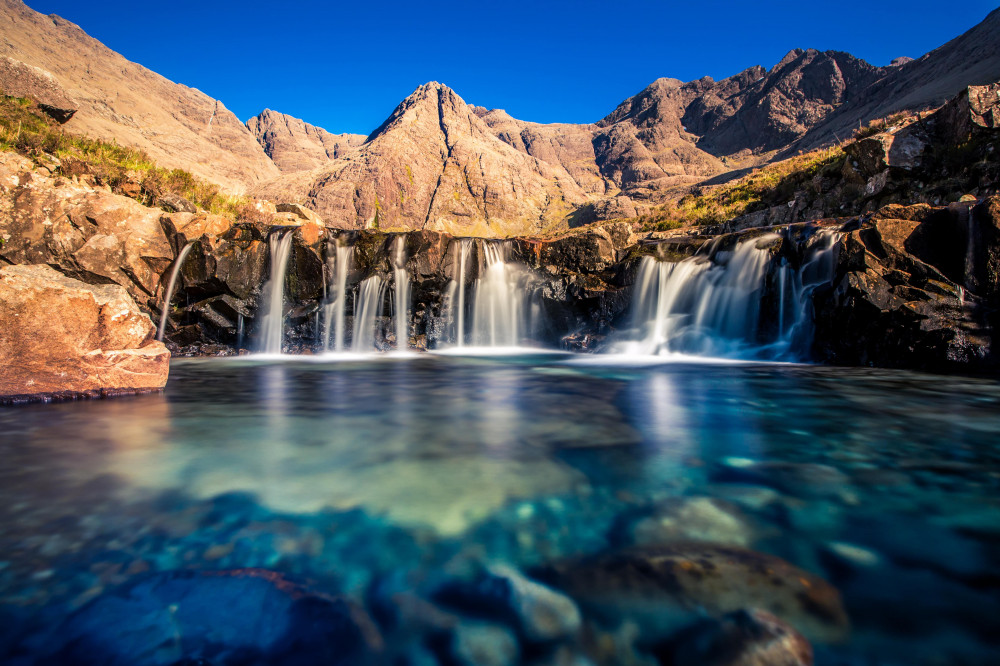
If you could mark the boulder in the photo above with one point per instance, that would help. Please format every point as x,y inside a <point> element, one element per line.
<point>743,638</point>
<point>61,335</point>
<point>175,203</point>
<point>299,211</point>
<point>243,616</point>
<point>664,588</point>
<point>86,232</point>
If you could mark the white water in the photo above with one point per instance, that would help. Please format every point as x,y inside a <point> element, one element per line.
<point>712,307</point>
<point>334,312</point>
<point>456,292</point>
<point>498,310</point>
<point>795,291</point>
<point>273,324</point>
<point>367,310</point>
<point>165,308</point>
<point>402,292</point>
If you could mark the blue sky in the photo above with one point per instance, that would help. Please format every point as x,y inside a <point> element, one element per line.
<point>345,66</point>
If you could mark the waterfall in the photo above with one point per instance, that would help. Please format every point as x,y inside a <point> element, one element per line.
<point>456,292</point>
<point>402,286</point>
<point>368,309</point>
<point>334,312</point>
<point>273,322</point>
<point>498,309</point>
<point>712,306</point>
<point>795,291</point>
<point>165,308</point>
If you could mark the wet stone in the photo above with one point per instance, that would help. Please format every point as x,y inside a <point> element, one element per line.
<point>809,480</point>
<point>687,519</point>
<point>664,588</point>
<point>742,638</point>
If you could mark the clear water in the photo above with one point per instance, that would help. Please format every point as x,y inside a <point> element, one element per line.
<point>344,472</point>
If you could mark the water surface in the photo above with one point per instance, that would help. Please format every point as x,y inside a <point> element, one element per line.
<point>344,472</point>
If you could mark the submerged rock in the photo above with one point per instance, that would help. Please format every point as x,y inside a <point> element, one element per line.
<point>224,617</point>
<point>743,638</point>
<point>664,588</point>
<point>61,335</point>
<point>688,519</point>
<point>810,480</point>
<point>483,645</point>
<point>502,593</point>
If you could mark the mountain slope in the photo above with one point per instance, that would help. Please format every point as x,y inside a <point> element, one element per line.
<point>179,127</point>
<point>295,145</point>
<point>972,58</point>
<point>434,164</point>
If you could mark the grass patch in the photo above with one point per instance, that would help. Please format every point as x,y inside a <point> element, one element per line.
<point>765,187</point>
<point>27,130</point>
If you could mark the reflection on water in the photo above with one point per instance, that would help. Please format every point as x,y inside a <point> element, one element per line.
<point>885,484</point>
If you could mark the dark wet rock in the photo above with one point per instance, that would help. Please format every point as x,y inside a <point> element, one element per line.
<point>915,287</point>
<point>742,638</point>
<point>704,519</point>
<point>225,617</point>
<point>502,593</point>
<point>664,588</point>
<point>810,480</point>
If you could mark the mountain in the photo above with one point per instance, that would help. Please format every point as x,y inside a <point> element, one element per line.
<point>295,145</point>
<point>179,127</point>
<point>439,163</point>
<point>435,164</point>
<point>973,59</point>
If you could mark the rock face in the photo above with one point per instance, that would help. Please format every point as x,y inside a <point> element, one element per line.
<point>295,145</point>
<point>88,232</point>
<point>120,100</point>
<point>916,287</point>
<point>61,335</point>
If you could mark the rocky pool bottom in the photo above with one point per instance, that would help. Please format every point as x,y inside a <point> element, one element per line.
<point>541,509</point>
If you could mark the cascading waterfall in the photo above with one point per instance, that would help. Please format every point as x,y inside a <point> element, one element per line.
<point>273,323</point>
<point>334,312</point>
<point>795,290</point>
<point>367,310</point>
<point>456,292</point>
<point>402,291</point>
<point>713,306</point>
<point>498,309</point>
<point>169,294</point>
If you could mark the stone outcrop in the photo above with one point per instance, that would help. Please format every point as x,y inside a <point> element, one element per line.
<point>178,126</point>
<point>62,336</point>
<point>916,287</point>
<point>87,232</point>
<point>295,145</point>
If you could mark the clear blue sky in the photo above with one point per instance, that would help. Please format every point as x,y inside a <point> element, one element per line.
<point>345,65</point>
